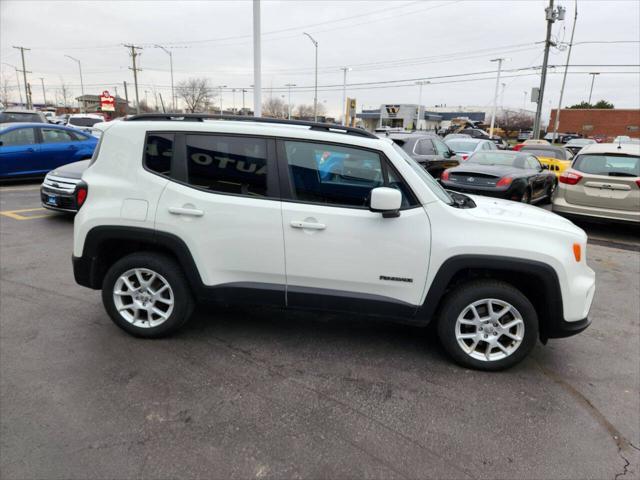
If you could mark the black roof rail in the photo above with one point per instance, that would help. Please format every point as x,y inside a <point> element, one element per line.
<point>200,117</point>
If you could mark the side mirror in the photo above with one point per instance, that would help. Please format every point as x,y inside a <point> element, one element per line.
<point>386,201</point>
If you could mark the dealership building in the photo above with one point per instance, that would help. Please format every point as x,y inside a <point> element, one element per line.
<point>404,116</point>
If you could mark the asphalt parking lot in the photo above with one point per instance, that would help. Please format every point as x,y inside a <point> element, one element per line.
<point>253,393</point>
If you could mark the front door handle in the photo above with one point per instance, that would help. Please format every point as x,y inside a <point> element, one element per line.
<point>192,212</point>
<point>308,225</point>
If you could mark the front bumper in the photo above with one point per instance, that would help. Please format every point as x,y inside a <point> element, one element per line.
<point>510,193</point>
<point>59,194</point>
<point>563,329</point>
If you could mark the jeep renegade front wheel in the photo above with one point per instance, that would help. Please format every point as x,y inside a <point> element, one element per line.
<point>487,325</point>
<point>147,295</point>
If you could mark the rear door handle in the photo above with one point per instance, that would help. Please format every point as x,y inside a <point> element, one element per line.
<point>308,225</point>
<point>192,212</point>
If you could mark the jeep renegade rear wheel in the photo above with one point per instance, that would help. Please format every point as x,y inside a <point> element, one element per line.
<point>487,325</point>
<point>147,295</point>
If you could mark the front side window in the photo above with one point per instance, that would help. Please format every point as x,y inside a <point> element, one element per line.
<point>17,137</point>
<point>532,162</point>
<point>158,152</point>
<point>228,164</point>
<point>341,176</point>
<point>55,135</point>
<point>441,148</point>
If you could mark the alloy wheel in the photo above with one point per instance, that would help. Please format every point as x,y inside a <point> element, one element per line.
<point>489,329</point>
<point>143,297</point>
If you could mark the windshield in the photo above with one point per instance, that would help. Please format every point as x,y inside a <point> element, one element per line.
<point>458,146</point>
<point>425,177</point>
<point>84,122</point>
<point>612,165</point>
<point>9,117</point>
<point>493,158</point>
<point>541,152</point>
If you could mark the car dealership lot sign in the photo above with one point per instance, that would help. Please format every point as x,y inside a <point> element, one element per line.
<point>107,102</point>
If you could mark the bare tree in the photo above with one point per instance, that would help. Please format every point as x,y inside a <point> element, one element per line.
<point>275,107</point>
<point>4,91</point>
<point>306,111</point>
<point>196,93</point>
<point>511,122</point>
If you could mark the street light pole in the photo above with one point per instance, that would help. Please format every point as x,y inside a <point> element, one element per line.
<point>593,79</point>
<point>83,108</point>
<point>257,67</point>
<point>495,94</point>
<point>44,93</point>
<point>220,87</point>
<point>289,102</point>
<point>173,95</point>
<point>344,94</point>
<point>315,89</point>
<point>420,84</point>
<point>556,124</point>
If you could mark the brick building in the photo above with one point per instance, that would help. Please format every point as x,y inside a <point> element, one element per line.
<point>598,122</point>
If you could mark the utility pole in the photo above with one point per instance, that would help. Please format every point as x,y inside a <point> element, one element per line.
<point>289,85</point>
<point>173,95</point>
<point>44,94</point>
<point>83,108</point>
<point>220,87</point>
<point>556,124</point>
<point>126,97</point>
<point>593,79</point>
<point>257,68</point>
<point>134,54</point>
<point>551,15</point>
<point>495,94</point>
<point>315,88</point>
<point>24,74</point>
<point>420,84</point>
<point>244,90</point>
<point>233,93</point>
<point>344,94</point>
<point>524,105</point>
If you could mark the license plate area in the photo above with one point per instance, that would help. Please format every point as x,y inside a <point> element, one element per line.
<point>51,200</point>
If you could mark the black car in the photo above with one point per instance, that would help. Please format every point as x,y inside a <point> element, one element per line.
<point>476,133</point>
<point>509,175</point>
<point>500,142</point>
<point>63,189</point>
<point>428,150</point>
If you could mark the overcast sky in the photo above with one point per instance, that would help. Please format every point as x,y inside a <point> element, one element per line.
<point>381,40</point>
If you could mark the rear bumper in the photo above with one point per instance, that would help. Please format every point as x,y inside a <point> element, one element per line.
<point>564,208</point>
<point>508,194</point>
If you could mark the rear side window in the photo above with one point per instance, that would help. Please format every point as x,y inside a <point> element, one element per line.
<point>612,165</point>
<point>56,135</point>
<point>425,147</point>
<point>158,152</point>
<point>17,137</point>
<point>227,164</point>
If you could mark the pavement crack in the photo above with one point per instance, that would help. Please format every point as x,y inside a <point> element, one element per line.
<point>625,468</point>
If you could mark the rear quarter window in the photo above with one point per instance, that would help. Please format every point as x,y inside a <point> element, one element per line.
<point>158,152</point>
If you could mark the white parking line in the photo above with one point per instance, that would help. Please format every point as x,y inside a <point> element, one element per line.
<point>16,189</point>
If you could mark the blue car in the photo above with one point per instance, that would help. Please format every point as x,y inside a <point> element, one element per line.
<point>33,149</point>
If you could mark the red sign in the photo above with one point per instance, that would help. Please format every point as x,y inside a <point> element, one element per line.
<point>107,102</point>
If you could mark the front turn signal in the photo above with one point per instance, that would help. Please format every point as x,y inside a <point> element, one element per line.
<point>577,251</point>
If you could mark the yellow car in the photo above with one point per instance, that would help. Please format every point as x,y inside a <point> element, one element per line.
<point>556,158</point>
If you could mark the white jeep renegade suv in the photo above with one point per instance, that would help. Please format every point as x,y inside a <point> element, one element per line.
<point>305,215</point>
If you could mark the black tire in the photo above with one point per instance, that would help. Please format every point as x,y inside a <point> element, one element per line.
<point>163,265</point>
<point>549,192</point>
<point>467,293</point>
<point>526,196</point>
